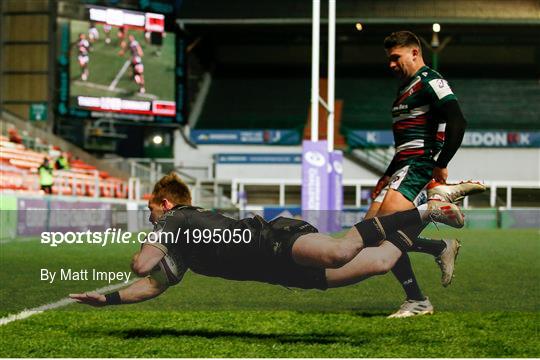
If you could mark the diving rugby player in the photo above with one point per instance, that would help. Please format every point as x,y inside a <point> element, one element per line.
<point>284,251</point>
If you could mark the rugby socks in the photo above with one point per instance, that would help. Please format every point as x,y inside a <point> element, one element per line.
<point>390,228</point>
<point>428,246</point>
<point>404,273</point>
<point>404,239</point>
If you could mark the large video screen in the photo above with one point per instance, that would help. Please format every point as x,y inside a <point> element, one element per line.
<point>122,62</point>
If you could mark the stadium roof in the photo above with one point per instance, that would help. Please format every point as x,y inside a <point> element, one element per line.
<point>514,12</point>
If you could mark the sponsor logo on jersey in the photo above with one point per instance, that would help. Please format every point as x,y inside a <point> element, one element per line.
<point>400,107</point>
<point>441,88</point>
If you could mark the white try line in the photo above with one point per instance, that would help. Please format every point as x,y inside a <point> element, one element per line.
<point>119,75</point>
<point>60,303</point>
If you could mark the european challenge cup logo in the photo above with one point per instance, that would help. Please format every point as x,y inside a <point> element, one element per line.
<point>315,158</point>
<point>338,167</point>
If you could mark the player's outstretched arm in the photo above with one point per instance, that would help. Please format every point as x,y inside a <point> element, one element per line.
<point>145,260</point>
<point>144,289</point>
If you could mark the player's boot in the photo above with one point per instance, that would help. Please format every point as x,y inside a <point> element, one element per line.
<point>446,260</point>
<point>453,192</point>
<point>445,213</point>
<point>413,308</point>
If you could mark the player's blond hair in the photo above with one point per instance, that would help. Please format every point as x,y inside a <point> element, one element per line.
<point>172,188</point>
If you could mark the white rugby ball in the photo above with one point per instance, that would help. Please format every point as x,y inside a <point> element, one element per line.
<point>168,271</point>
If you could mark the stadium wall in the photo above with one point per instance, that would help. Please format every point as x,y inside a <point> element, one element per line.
<point>26,215</point>
<point>203,156</point>
<point>492,164</point>
<point>283,171</point>
<point>489,164</point>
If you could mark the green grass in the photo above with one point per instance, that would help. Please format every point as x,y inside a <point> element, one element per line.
<point>105,63</point>
<point>270,334</point>
<point>491,309</point>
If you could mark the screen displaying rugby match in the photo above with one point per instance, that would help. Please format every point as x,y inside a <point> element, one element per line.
<point>123,62</point>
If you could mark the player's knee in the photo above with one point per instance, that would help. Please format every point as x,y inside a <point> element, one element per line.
<point>338,257</point>
<point>383,265</point>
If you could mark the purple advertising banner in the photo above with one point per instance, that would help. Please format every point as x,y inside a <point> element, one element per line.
<point>315,181</point>
<point>38,215</point>
<point>336,180</point>
<point>335,190</point>
<point>315,177</point>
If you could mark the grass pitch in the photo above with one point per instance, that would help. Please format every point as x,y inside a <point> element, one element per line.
<point>491,309</point>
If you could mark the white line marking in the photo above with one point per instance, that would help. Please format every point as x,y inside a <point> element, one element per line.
<point>119,75</point>
<point>60,303</point>
<point>147,95</point>
<point>98,86</point>
<point>119,90</point>
<point>10,240</point>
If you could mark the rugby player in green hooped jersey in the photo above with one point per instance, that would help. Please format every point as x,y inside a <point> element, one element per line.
<point>428,128</point>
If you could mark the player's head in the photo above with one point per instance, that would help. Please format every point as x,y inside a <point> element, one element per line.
<point>82,36</point>
<point>168,192</point>
<point>131,37</point>
<point>404,53</point>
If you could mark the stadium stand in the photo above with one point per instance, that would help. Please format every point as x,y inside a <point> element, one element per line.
<point>486,103</point>
<point>235,103</point>
<point>22,154</point>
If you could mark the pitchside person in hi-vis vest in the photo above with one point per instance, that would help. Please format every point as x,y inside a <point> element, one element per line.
<point>428,128</point>
<point>287,252</point>
<point>46,178</point>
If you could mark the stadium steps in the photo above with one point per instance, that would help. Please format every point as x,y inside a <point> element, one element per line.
<point>50,138</point>
<point>205,192</point>
<point>19,166</point>
<point>373,159</point>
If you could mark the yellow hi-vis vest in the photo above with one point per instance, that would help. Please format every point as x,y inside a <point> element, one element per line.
<point>45,176</point>
<point>64,163</point>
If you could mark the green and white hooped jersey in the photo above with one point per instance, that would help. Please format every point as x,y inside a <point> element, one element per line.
<point>417,127</point>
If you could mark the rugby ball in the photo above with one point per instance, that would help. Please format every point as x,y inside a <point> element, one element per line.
<point>168,271</point>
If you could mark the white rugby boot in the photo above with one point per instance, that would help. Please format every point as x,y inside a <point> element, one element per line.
<point>447,259</point>
<point>453,192</point>
<point>445,213</point>
<point>413,308</point>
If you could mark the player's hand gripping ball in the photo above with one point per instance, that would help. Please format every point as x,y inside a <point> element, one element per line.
<point>168,271</point>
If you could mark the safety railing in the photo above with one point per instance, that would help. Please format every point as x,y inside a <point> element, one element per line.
<point>238,187</point>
